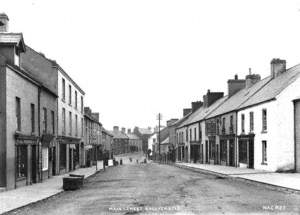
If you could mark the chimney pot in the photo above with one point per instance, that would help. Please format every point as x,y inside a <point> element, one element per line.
<point>116,128</point>
<point>128,131</point>
<point>236,77</point>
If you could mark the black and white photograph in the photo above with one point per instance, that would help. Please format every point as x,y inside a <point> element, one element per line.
<point>120,107</point>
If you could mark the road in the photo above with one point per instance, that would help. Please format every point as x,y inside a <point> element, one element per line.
<point>153,188</point>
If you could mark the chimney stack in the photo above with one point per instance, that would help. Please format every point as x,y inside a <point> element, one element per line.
<point>116,128</point>
<point>252,79</point>
<point>235,85</point>
<point>186,111</point>
<point>3,22</point>
<point>123,130</point>
<point>278,67</point>
<point>128,131</point>
<point>196,105</point>
<point>96,116</point>
<point>211,97</point>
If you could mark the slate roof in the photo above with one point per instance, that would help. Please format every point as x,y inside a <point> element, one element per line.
<point>202,112</point>
<point>118,135</point>
<point>145,131</point>
<point>16,38</point>
<point>180,122</point>
<point>274,87</point>
<point>234,102</point>
<point>166,141</point>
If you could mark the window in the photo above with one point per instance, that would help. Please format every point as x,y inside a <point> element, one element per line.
<point>21,161</point>
<point>200,132</point>
<point>45,158</point>
<point>44,120</point>
<point>82,131</point>
<point>32,116</point>
<point>251,116</point>
<point>75,99</point>
<point>190,134</point>
<point>264,152</point>
<point>70,94</point>
<point>70,123</point>
<point>81,104</point>
<point>76,125</point>
<point>217,126</point>
<point>63,121</point>
<point>53,122</point>
<point>63,89</point>
<point>18,113</point>
<point>243,123</point>
<point>195,133</point>
<point>231,124</point>
<point>223,125</point>
<point>264,120</point>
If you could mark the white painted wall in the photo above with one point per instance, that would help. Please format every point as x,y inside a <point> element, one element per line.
<point>151,141</point>
<point>280,132</point>
<point>68,108</point>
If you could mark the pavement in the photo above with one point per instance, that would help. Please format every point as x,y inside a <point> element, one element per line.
<point>152,188</point>
<point>289,181</point>
<point>22,196</point>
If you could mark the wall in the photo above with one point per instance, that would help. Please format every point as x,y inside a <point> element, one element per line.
<point>280,132</point>
<point>39,67</point>
<point>65,104</point>
<point>28,93</point>
<point>2,126</point>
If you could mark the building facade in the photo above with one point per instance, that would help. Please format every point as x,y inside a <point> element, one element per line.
<point>120,141</point>
<point>93,147</point>
<point>28,123</point>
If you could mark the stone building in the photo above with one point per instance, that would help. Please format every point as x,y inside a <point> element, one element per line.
<point>93,147</point>
<point>70,107</point>
<point>28,124</point>
<point>135,143</point>
<point>143,134</point>
<point>120,141</point>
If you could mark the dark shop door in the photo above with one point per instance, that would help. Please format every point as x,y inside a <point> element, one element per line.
<point>231,153</point>
<point>251,153</point>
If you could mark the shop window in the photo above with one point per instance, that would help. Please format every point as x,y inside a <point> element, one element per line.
<point>212,150</point>
<point>21,158</point>
<point>243,151</point>
<point>62,155</point>
<point>45,158</point>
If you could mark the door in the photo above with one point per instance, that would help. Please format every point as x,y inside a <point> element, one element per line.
<point>251,153</point>
<point>206,152</point>
<point>231,153</point>
<point>53,157</point>
<point>34,165</point>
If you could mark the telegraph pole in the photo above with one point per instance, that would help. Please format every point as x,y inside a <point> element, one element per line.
<point>159,116</point>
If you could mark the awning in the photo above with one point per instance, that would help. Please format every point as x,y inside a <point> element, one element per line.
<point>88,147</point>
<point>72,146</point>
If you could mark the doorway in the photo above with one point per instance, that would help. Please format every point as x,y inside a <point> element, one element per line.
<point>34,164</point>
<point>251,153</point>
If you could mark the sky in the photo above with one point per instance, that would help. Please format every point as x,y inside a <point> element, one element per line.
<point>137,58</point>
